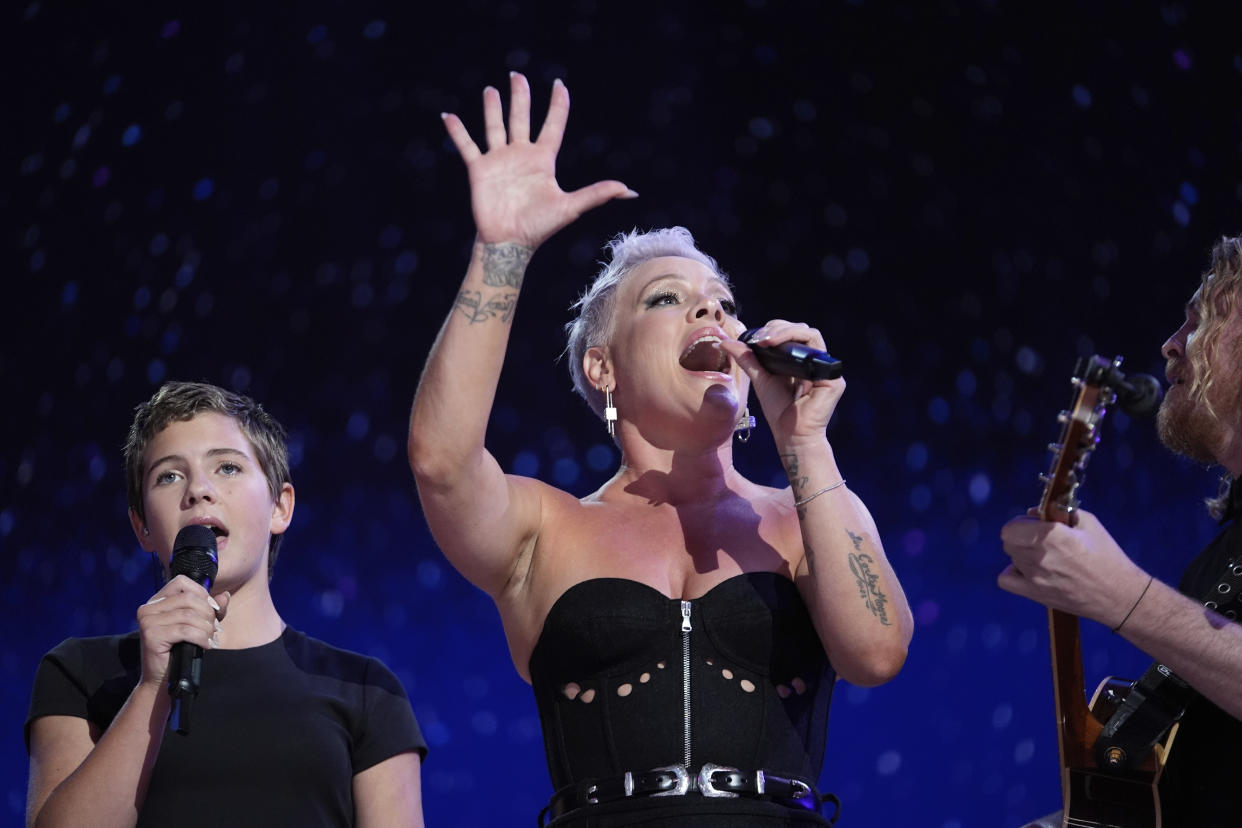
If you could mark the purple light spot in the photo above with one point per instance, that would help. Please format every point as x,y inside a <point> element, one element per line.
<point>131,135</point>
<point>927,613</point>
<point>60,114</point>
<point>101,176</point>
<point>112,84</point>
<point>1082,96</point>
<point>70,293</point>
<point>1181,60</point>
<point>203,189</point>
<point>375,29</point>
<point>171,28</point>
<point>317,34</point>
<point>914,542</point>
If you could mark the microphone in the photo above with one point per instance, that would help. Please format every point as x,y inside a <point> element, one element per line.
<point>193,555</point>
<point>793,359</point>
<point>1137,394</point>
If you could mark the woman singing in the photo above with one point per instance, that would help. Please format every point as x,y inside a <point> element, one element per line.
<point>682,626</point>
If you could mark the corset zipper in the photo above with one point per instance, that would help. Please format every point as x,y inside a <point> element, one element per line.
<point>685,674</point>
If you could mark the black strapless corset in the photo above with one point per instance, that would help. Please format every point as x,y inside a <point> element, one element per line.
<point>626,678</point>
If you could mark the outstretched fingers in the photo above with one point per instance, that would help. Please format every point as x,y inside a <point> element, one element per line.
<point>493,118</point>
<point>466,146</point>
<point>519,108</point>
<point>593,195</point>
<point>553,130</point>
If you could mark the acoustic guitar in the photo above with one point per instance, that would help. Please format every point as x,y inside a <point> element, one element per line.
<point>1095,795</point>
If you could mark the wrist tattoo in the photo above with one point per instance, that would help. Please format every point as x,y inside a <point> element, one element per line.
<point>868,583</point>
<point>470,303</point>
<point>504,265</point>
<point>797,480</point>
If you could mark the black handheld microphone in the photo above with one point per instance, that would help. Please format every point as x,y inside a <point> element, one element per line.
<point>193,555</point>
<point>793,359</point>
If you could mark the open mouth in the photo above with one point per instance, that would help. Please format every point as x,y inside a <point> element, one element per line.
<point>705,354</point>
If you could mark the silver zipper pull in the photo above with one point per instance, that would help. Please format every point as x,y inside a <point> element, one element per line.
<point>685,616</point>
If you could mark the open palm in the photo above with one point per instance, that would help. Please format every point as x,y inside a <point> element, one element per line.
<point>513,190</point>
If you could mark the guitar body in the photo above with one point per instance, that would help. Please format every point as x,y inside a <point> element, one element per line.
<point>1108,800</point>
<point>1098,799</point>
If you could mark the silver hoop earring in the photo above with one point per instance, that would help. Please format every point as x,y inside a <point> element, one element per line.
<point>610,413</point>
<point>745,423</point>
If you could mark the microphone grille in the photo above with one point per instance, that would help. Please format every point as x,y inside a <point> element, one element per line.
<point>194,555</point>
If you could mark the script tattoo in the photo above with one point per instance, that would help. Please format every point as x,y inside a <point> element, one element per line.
<point>504,265</point>
<point>498,306</point>
<point>860,565</point>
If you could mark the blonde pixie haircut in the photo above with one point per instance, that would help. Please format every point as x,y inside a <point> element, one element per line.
<point>593,325</point>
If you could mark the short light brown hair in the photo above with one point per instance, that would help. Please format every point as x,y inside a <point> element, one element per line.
<point>181,401</point>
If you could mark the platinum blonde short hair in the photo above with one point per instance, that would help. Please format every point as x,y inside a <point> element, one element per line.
<point>593,324</point>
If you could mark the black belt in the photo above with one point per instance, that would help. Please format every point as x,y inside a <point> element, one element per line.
<point>675,780</point>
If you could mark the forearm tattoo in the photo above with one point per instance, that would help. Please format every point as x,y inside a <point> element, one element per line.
<point>797,480</point>
<point>810,558</point>
<point>504,265</point>
<point>472,305</point>
<point>868,581</point>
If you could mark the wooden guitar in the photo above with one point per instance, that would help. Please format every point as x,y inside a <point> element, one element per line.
<point>1094,796</point>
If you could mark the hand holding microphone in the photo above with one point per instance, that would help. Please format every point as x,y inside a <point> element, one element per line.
<point>180,620</point>
<point>793,359</point>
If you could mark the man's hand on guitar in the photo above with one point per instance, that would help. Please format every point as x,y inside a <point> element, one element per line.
<point>1079,570</point>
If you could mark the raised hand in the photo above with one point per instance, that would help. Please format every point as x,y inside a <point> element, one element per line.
<point>181,611</point>
<point>513,190</point>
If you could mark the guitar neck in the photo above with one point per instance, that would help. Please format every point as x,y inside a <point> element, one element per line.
<point>1077,727</point>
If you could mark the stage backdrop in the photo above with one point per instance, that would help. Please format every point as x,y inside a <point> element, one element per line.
<point>964,196</point>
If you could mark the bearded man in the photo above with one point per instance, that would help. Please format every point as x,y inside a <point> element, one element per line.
<point>1190,629</point>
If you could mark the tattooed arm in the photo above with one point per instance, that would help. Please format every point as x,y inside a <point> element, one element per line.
<point>480,517</point>
<point>855,601</point>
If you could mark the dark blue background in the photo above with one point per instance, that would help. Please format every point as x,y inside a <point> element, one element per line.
<point>964,196</point>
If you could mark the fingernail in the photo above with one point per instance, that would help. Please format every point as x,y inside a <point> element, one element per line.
<point>213,642</point>
<point>443,115</point>
<point>629,194</point>
<point>213,603</point>
<point>216,623</point>
<point>157,600</point>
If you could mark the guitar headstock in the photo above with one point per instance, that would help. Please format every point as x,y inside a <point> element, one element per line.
<point>1080,433</point>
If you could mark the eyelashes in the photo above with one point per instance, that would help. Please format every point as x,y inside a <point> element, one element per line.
<point>669,297</point>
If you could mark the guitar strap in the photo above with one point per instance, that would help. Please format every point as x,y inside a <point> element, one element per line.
<point>1158,699</point>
